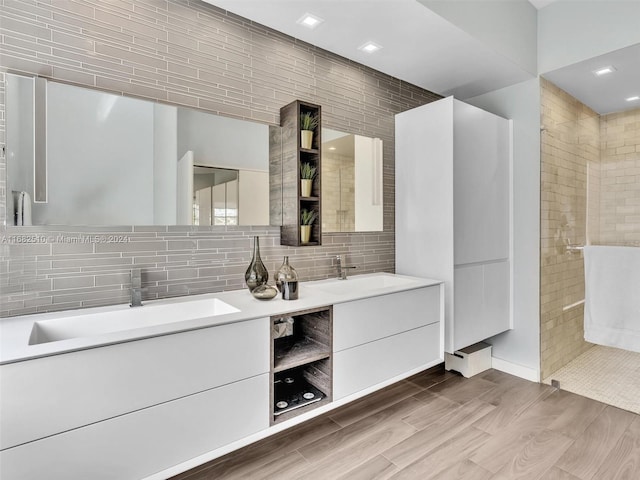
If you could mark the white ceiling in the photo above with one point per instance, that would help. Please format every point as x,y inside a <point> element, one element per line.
<point>422,48</point>
<point>540,3</point>
<point>605,94</point>
<point>419,46</point>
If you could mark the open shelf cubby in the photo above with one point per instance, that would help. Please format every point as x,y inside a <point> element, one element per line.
<point>301,362</point>
<point>287,168</point>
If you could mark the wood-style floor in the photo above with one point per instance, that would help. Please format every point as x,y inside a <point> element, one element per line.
<point>438,425</point>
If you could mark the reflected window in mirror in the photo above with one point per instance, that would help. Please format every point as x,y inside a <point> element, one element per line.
<point>215,200</point>
<point>352,196</point>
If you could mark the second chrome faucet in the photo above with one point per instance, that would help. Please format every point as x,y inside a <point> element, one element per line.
<point>342,268</point>
<point>136,287</point>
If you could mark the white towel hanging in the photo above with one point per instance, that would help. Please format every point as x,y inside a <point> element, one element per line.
<point>612,300</point>
<point>22,208</point>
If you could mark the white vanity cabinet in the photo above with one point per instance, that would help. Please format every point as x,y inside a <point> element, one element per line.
<point>453,213</point>
<point>379,338</point>
<point>131,409</point>
<point>152,407</point>
<point>141,443</point>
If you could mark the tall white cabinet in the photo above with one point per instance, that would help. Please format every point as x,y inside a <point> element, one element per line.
<point>453,213</point>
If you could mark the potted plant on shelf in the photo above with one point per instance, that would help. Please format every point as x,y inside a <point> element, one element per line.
<point>307,174</point>
<point>308,124</point>
<point>307,217</point>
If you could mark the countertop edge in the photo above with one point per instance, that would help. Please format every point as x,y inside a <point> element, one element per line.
<point>16,330</point>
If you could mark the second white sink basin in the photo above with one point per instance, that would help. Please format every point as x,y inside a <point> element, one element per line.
<point>125,318</point>
<point>362,283</point>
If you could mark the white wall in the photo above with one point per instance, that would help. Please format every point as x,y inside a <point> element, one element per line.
<point>569,32</point>
<point>165,170</point>
<point>253,198</point>
<point>100,159</point>
<point>368,213</point>
<point>20,148</point>
<point>508,27</point>
<point>224,142</point>
<point>520,347</point>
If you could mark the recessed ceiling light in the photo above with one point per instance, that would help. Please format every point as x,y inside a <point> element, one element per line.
<point>633,99</point>
<point>604,71</point>
<point>309,20</point>
<point>369,47</point>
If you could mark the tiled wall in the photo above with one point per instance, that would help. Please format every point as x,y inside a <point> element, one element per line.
<point>570,143</point>
<point>188,53</point>
<point>338,197</point>
<point>590,194</point>
<point>619,188</point>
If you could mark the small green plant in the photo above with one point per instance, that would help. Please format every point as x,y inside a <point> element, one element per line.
<point>307,217</point>
<point>308,121</point>
<point>307,171</point>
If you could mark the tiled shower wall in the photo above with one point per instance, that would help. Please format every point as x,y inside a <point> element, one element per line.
<point>619,175</point>
<point>570,144</point>
<point>590,194</point>
<point>187,53</point>
<point>338,197</point>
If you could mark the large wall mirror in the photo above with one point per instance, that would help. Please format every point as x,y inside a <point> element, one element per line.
<point>351,182</point>
<point>79,156</point>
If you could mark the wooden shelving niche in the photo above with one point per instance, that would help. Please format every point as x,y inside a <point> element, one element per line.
<point>293,156</point>
<point>301,362</point>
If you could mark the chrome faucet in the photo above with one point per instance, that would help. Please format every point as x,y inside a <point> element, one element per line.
<point>136,287</point>
<point>342,268</point>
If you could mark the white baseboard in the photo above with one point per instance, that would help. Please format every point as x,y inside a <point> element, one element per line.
<point>527,373</point>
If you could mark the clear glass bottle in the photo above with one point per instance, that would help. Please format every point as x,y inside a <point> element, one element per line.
<point>287,280</point>
<point>257,273</point>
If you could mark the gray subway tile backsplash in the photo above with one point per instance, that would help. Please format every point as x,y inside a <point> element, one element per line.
<point>64,283</point>
<point>190,53</point>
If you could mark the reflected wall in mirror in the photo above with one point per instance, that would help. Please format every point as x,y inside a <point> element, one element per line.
<point>95,158</point>
<point>351,182</point>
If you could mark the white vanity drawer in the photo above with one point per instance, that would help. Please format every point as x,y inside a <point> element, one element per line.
<point>366,365</point>
<point>141,443</point>
<point>53,394</point>
<point>362,321</point>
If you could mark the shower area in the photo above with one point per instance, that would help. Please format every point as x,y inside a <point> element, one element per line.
<point>338,185</point>
<point>590,195</point>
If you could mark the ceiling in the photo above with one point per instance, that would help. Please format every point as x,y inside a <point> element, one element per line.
<point>424,49</point>
<point>540,3</point>
<point>343,145</point>
<point>419,46</point>
<point>606,93</point>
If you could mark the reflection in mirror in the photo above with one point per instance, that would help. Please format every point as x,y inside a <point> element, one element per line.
<point>115,160</point>
<point>215,199</point>
<point>351,182</point>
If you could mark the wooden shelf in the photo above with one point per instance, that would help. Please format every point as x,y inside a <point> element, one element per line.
<point>310,199</point>
<point>299,352</point>
<point>283,417</point>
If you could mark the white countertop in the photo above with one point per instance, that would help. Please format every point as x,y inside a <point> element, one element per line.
<point>15,331</point>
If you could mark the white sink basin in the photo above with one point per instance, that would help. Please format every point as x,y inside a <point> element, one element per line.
<point>125,318</point>
<point>362,284</point>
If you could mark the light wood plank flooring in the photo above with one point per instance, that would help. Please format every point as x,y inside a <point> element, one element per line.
<point>438,425</point>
